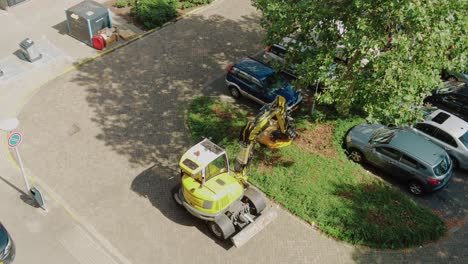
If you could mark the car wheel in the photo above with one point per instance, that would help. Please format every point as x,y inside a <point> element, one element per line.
<point>175,194</point>
<point>416,188</point>
<point>455,163</point>
<point>234,92</point>
<point>222,227</point>
<point>255,200</point>
<point>356,155</point>
<point>452,79</point>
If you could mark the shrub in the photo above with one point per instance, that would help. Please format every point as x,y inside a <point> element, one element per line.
<point>122,3</point>
<point>192,3</point>
<point>153,13</point>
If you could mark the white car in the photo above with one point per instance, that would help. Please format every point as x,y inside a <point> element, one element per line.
<point>449,132</point>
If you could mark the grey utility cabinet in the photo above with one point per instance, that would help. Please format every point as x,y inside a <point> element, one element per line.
<point>85,19</point>
<point>4,4</point>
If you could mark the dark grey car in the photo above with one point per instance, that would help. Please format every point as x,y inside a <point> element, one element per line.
<point>422,165</point>
<point>7,247</point>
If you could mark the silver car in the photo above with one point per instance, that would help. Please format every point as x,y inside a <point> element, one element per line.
<point>449,132</point>
<point>408,156</point>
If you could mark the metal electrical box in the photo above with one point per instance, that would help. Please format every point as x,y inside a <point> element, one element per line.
<point>85,19</point>
<point>29,50</point>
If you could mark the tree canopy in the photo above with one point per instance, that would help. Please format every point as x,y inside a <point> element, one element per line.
<point>382,57</point>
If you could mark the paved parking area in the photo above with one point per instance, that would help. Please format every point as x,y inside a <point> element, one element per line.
<point>107,137</point>
<point>116,130</point>
<point>46,236</point>
<point>43,21</point>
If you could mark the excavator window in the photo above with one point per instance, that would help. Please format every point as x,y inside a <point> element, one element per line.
<point>216,167</point>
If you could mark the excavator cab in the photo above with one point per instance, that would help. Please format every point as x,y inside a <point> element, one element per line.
<point>208,187</point>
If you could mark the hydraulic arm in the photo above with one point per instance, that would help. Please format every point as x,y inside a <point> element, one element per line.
<point>265,129</point>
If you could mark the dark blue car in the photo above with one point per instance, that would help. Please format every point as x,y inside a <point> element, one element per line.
<point>259,82</point>
<point>7,247</point>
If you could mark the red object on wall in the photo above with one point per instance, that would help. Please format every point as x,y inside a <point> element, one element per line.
<point>98,42</point>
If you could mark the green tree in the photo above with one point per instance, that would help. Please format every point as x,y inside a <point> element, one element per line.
<point>388,53</point>
<point>154,13</point>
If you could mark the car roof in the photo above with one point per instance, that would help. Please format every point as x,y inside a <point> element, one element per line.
<point>254,68</point>
<point>453,125</point>
<point>288,41</point>
<point>453,87</point>
<point>416,146</point>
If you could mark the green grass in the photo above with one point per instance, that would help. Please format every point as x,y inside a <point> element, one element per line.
<point>335,194</point>
<point>123,3</point>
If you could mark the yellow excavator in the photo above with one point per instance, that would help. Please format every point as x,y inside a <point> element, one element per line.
<point>211,191</point>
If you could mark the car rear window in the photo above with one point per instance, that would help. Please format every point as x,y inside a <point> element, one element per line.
<point>442,167</point>
<point>278,51</point>
<point>464,139</point>
<point>445,137</point>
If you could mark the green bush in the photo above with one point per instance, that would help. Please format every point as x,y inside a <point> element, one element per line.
<point>154,13</point>
<point>122,3</point>
<point>193,3</point>
<point>342,127</point>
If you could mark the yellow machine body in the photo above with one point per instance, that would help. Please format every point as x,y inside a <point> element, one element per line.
<point>207,184</point>
<point>210,190</point>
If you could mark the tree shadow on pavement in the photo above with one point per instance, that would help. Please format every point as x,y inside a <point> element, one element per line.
<point>139,94</point>
<point>451,205</point>
<point>156,184</point>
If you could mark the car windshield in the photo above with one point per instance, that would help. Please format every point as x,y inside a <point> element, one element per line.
<point>443,166</point>
<point>382,136</point>
<point>464,139</point>
<point>276,82</point>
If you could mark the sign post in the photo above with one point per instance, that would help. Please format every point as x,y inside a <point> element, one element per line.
<point>14,139</point>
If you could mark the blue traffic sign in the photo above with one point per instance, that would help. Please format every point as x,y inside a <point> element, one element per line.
<point>14,139</point>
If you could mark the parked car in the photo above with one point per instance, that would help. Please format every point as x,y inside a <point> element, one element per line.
<point>452,98</point>
<point>422,165</point>
<point>7,247</point>
<point>449,132</point>
<point>259,82</point>
<point>455,76</point>
<point>277,53</point>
